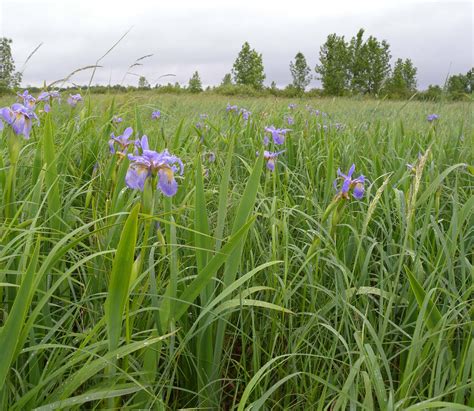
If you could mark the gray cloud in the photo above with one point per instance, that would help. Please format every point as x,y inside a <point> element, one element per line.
<point>437,36</point>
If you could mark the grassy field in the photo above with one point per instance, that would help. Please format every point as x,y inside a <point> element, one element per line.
<point>249,288</point>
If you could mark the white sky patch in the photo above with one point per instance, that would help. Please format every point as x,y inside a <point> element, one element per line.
<point>206,35</point>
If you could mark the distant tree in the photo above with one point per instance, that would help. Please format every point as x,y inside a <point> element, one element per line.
<point>459,85</point>
<point>402,82</point>
<point>369,66</point>
<point>248,68</point>
<point>378,55</point>
<point>227,80</point>
<point>8,77</point>
<point>433,93</point>
<point>195,85</point>
<point>359,64</point>
<point>143,82</point>
<point>470,78</point>
<point>333,67</point>
<point>300,72</point>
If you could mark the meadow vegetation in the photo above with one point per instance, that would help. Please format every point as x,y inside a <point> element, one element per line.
<point>258,283</point>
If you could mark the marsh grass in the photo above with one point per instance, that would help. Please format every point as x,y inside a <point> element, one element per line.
<point>244,291</point>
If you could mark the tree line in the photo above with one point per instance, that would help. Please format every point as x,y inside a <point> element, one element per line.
<point>356,67</point>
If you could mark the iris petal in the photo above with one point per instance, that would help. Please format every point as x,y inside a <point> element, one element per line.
<point>166,182</point>
<point>358,192</point>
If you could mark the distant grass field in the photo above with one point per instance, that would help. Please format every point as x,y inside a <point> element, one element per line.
<point>248,289</point>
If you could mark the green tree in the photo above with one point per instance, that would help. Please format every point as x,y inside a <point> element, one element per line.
<point>359,64</point>
<point>143,82</point>
<point>248,68</point>
<point>402,82</point>
<point>459,85</point>
<point>369,66</point>
<point>433,93</point>
<point>378,60</point>
<point>8,77</point>
<point>333,67</point>
<point>300,72</point>
<point>195,85</point>
<point>227,80</point>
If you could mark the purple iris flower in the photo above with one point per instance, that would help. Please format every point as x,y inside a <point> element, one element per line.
<point>152,164</point>
<point>271,158</point>
<point>123,141</point>
<point>117,119</point>
<point>348,183</point>
<point>292,106</point>
<point>432,117</point>
<point>278,134</point>
<point>28,100</point>
<point>47,97</point>
<point>19,117</point>
<point>73,99</point>
<point>245,113</point>
<point>290,120</point>
<point>229,108</point>
<point>156,115</point>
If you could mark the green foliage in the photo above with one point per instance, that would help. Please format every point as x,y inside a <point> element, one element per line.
<point>9,79</point>
<point>402,83</point>
<point>227,80</point>
<point>432,93</point>
<point>238,293</point>
<point>378,60</point>
<point>143,83</point>
<point>359,66</point>
<point>195,85</point>
<point>300,72</point>
<point>334,65</point>
<point>460,85</point>
<point>248,68</point>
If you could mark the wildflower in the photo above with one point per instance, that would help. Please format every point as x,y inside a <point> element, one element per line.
<point>156,115</point>
<point>154,164</point>
<point>28,100</point>
<point>245,113</point>
<point>203,116</point>
<point>266,140</point>
<point>19,118</point>
<point>271,158</point>
<point>73,99</point>
<point>210,157</point>
<point>47,97</point>
<point>432,117</point>
<point>292,106</point>
<point>229,108</point>
<point>123,141</point>
<point>357,184</point>
<point>290,120</point>
<point>117,119</point>
<point>278,134</point>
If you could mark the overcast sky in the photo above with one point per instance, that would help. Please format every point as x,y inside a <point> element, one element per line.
<point>206,35</point>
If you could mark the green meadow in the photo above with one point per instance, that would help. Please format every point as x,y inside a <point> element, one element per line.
<point>249,289</point>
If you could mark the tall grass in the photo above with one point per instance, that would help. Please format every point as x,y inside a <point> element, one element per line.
<point>248,289</point>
